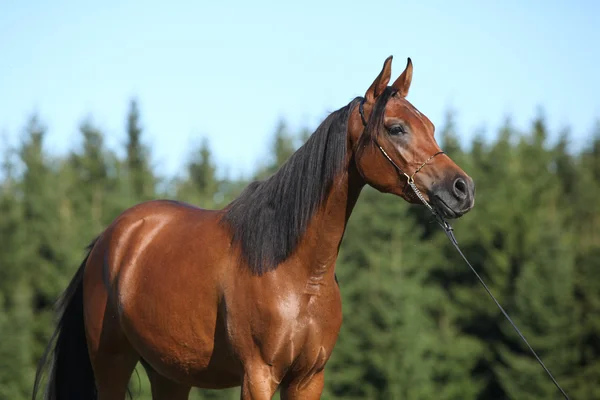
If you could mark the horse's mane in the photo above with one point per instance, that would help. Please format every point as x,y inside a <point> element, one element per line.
<point>269,217</point>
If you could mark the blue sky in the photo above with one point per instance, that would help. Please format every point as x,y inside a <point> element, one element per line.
<point>229,70</point>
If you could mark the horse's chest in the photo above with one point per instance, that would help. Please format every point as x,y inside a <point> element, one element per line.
<point>300,336</point>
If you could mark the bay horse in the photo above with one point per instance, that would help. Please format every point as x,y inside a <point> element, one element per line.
<point>247,295</point>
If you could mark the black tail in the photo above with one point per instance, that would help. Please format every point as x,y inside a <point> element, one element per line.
<point>71,375</point>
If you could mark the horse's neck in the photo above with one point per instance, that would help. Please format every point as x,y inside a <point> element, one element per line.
<point>326,230</point>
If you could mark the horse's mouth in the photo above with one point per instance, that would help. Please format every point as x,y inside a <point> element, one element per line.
<point>444,209</point>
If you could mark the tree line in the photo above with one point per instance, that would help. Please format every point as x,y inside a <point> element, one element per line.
<point>417,324</point>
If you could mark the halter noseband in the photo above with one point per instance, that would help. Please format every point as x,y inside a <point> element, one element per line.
<point>410,179</point>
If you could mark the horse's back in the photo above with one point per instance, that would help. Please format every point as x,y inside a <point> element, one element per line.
<point>161,237</point>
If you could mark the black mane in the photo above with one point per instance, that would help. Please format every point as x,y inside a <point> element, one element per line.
<point>269,217</point>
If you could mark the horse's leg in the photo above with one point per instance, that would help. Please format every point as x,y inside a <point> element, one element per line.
<point>113,360</point>
<point>164,388</point>
<point>299,389</point>
<point>112,376</point>
<point>258,383</point>
<point>112,356</point>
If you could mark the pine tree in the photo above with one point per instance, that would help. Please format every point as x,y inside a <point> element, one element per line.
<point>40,204</point>
<point>16,367</point>
<point>282,148</point>
<point>586,223</point>
<point>139,170</point>
<point>92,185</point>
<point>201,186</point>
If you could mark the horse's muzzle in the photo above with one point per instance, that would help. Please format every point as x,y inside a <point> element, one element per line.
<point>454,197</point>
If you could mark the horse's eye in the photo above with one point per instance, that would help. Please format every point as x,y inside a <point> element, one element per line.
<point>397,129</point>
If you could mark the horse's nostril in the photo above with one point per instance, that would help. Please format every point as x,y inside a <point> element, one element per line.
<point>460,188</point>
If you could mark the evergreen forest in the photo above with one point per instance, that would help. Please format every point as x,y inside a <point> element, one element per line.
<point>417,323</point>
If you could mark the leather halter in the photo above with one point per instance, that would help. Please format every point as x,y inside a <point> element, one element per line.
<point>409,178</point>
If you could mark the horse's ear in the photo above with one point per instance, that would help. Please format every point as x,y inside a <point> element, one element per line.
<point>381,82</point>
<point>402,84</point>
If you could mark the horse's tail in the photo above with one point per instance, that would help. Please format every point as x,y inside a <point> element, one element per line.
<point>71,375</point>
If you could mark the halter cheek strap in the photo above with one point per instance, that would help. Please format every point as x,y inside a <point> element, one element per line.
<point>410,179</point>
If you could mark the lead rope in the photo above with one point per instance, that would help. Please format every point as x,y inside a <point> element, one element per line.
<point>449,231</point>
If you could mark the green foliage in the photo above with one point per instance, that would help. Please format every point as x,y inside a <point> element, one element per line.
<point>417,324</point>
<point>201,185</point>
<point>282,147</point>
<point>140,177</point>
<point>16,323</point>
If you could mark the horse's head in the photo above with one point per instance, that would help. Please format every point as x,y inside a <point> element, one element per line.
<point>394,143</point>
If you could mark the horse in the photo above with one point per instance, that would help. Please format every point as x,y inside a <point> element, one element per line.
<point>246,295</point>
